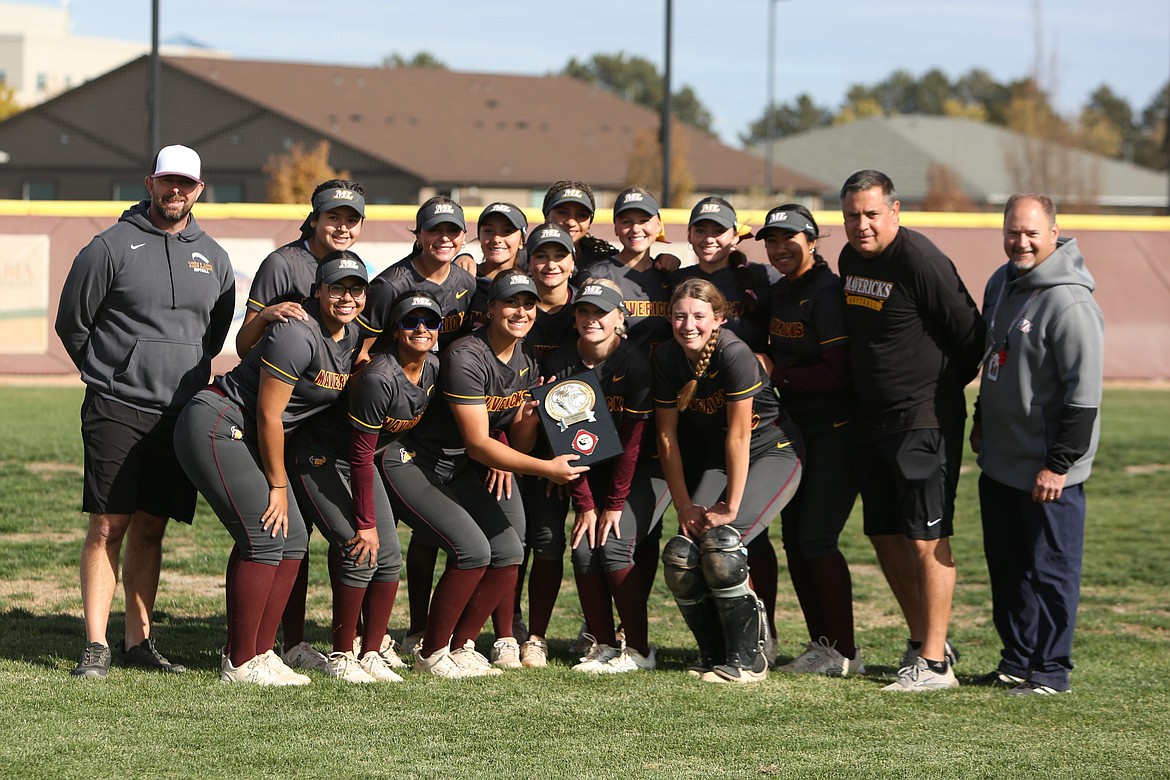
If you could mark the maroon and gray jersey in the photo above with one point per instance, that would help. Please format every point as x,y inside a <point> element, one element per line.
<point>732,375</point>
<point>454,296</point>
<point>744,288</point>
<point>470,374</point>
<point>287,274</point>
<point>383,400</point>
<point>646,295</point>
<point>624,375</point>
<point>301,354</point>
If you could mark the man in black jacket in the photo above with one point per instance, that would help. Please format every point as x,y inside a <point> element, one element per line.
<point>916,339</point>
<point>145,307</point>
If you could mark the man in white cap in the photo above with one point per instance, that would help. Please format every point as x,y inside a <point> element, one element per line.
<point>145,307</point>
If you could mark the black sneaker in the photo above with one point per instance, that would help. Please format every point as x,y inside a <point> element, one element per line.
<point>145,656</point>
<point>95,661</point>
<point>998,679</point>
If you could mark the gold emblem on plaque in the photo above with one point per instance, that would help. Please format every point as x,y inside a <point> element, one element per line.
<point>570,402</point>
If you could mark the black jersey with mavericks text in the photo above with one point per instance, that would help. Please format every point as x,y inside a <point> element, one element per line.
<point>454,295</point>
<point>733,374</point>
<point>302,354</point>
<point>624,375</point>
<point>471,374</point>
<point>727,281</point>
<point>915,334</point>
<point>647,298</point>
<point>382,398</point>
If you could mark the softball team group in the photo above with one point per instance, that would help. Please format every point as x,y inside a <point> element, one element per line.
<point>360,403</point>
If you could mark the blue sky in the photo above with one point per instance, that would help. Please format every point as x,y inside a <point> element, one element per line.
<point>720,49</point>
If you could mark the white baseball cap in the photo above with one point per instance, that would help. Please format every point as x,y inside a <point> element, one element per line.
<point>178,161</point>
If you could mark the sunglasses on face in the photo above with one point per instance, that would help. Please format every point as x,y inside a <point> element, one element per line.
<point>411,322</point>
<point>356,291</point>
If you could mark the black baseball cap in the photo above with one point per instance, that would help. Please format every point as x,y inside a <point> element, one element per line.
<point>634,198</point>
<point>714,209</point>
<point>568,195</point>
<point>788,221</point>
<point>510,283</point>
<point>605,298</point>
<point>412,301</point>
<point>341,265</point>
<point>512,213</point>
<point>432,215</point>
<point>336,197</point>
<point>548,233</point>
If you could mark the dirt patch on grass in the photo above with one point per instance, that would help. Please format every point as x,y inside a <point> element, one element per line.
<point>192,584</point>
<point>1143,469</point>
<point>40,596</point>
<point>48,470</point>
<point>50,537</point>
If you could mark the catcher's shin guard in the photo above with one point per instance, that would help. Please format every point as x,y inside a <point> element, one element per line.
<point>684,576</point>
<point>741,613</point>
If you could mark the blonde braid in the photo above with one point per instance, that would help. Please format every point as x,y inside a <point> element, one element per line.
<point>699,368</point>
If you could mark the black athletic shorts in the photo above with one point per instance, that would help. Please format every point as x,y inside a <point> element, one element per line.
<point>908,481</point>
<point>130,462</point>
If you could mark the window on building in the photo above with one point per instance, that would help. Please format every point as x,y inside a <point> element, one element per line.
<point>42,82</point>
<point>40,190</point>
<point>128,190</point>
<point>225,192</point>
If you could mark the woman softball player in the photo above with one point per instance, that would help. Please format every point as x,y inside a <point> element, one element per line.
<point>500,234</point>
<point>714,233</point>
<point>645,289</point>
<point>485,378</point>
<point>709,377</point>
<point>439,229</point>
<point>808,360</point>
<point>616,506</point>
<point>231,440</point>
<point>333,477</point>
<point>571,205</point>
<point>279,288</point>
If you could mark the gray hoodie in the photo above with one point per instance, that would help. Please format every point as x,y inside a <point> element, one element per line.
<point>1042,409</point>
<point>143,312</point>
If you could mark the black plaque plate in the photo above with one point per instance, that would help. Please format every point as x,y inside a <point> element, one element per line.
<point>576,419</point>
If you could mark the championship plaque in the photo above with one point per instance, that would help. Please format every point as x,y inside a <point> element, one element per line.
<point>576,419</point>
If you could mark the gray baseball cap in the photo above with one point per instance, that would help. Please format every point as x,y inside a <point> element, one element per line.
<point>336,197</point>
<point>633,198</point>
<point>434,214</point>
<point>788,221</point>
<point>510,283</point>
<point>714,209</point>
<point>341,265</point>
<point>604,298</point>
<point>548,233</point>
<point>512,213</point>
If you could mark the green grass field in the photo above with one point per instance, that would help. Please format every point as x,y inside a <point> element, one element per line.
<point>556,723</point>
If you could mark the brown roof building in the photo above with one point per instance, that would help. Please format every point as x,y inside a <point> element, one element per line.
<point>404,133</point>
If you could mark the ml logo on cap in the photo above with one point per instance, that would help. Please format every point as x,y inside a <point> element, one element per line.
<point>420,302</point>
<point>709,208</point>
<point>343,194</point>
<point>550,232</point>
<point>347,264</point>
<point>444,208</point>
<point>572,194</point>
<point>500,207</point>
<point>780,217</point>
<point>518,279</point>
<point>631,197</point>
<point>592,289</point>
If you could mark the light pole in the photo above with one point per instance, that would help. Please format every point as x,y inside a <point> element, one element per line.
<point>770,109</point>
<point>664,133</point>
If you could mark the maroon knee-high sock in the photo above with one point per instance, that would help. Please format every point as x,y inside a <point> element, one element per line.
<point>494,593</point>
<point>806,593</point>
<point>646,559</point>
<point>420,573</point>
<point>543,586</point>
<point>834,590</point>
<point>247,596</point>
<point>292,622</point>
<point>376,611</point>
<point>764,572</point>
<point>629,596</point>
<point>518,607</point>
<point>454,590</point>
<point>593,591</point>
<point>232,564</point>
<point>282,585</point>
<point>347,606</point>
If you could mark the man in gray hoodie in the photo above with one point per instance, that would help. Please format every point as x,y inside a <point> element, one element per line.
<point>145,307</point>
<point>1036,431</point>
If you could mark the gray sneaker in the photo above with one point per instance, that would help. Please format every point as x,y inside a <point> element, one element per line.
<point>920,677</point>
<point>910,655</point>
<point>94,661</point>
<point>304,656</point>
